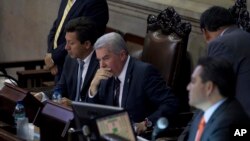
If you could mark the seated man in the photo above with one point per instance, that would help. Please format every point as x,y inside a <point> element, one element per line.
<point>81,34</point>
<point>129,83</point>
<point>212,91</point>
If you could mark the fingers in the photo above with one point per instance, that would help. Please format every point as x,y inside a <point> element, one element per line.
<point>54,70</point>
<point>104,73</point>
<point>65,101</point>
<point>101,74</point>
<point>140,127</point>
<point>49,63</point>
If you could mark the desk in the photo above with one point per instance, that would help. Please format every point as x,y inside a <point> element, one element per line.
<point>7,136</point>
<point>35,76</point>
<point>7,133</point>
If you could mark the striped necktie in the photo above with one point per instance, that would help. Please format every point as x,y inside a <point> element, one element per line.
<point>116,92</point>
<point>59,28</point>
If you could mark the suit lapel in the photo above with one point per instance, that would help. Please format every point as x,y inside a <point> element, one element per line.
<point>215,115</point>
<point>194,127</point>
<point>127,82</point>
<point>74,9</point>
<point>93,65</point>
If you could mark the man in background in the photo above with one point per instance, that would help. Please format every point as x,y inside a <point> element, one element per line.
<point>95,10</point>
<point>226,40</point>
<point>211,91</point>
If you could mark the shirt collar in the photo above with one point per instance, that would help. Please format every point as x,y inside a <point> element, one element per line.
<point>124,70</point>
<point>222,33</point>
<point>86,59</point>
<point>208,113</point>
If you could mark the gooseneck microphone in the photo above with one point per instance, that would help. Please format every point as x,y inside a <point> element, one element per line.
<point>85,131</point>
<point>161,124</point>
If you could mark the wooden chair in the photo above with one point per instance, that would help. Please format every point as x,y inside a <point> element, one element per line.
<point>241,15</point>
<point>33,74</point>
<point>165,47</point>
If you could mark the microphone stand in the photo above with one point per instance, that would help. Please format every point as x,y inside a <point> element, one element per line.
<point>85,131</point>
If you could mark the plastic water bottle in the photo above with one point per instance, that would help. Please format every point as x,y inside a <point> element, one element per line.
<point>20,120</point>
<point>57,96</point>
<point>19,112</point>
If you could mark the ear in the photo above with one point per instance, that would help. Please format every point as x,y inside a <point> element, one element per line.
<point>207,35</point>
<point>123,55</point>
<point>87,44</point>
<point>209,87</point>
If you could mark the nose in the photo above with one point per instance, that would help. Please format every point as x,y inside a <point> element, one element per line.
<point>188,86</point>
<point>102,64</point>
<point>66,46</point>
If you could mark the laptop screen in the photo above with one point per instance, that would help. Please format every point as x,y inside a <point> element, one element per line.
<point>116,124</point>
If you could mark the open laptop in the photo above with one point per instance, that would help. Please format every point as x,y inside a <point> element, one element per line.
<point>116,126</point>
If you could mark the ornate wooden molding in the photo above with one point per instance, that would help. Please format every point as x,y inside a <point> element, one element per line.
<point>169,21</point>
<point>241,15</point>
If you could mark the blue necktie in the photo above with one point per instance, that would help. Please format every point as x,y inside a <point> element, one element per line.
<point>116,92</point>
<point>79,80</point>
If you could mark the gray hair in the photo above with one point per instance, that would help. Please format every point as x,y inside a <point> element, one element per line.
<point>113,41</point>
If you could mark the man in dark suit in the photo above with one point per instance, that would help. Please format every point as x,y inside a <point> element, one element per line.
<point>129,83</point>
<point>212,90</point>
<point>96,10</point>
<point>80,36</point>
<point>226,40</point>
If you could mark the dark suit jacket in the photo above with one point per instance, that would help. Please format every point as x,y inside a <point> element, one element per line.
<point>220,124</point>
<point>234,45</point>
<point>96,10</point>
<point>68,81</point>
<point>144,93</point>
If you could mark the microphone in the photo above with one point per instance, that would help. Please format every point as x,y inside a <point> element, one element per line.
<point>85,131</point>
<point>161,124</point>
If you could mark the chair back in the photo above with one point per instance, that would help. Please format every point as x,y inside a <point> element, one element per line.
<point>241,15</point>
<point>165,47</point>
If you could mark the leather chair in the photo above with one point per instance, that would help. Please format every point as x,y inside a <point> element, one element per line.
<point>165,47</point>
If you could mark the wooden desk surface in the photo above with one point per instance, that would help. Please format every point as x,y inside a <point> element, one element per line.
<point>7,136</point>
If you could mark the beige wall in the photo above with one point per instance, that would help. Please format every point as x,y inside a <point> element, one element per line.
<point>24,24</point>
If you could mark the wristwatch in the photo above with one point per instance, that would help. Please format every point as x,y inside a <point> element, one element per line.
<point>148,123</point>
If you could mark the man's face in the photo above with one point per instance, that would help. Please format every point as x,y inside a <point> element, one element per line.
<point>197,89</point>
<point>74,47</point>
<point>208,36</point>
<point>108,59</point>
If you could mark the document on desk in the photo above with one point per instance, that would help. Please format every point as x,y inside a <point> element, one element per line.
<point>139,138</point>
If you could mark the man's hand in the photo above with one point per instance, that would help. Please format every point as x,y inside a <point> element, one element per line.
<point>49,63</point>
<point>54,70</point>
<point>140,127</point>
<point>66,102</point>
<point>102,73</point>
